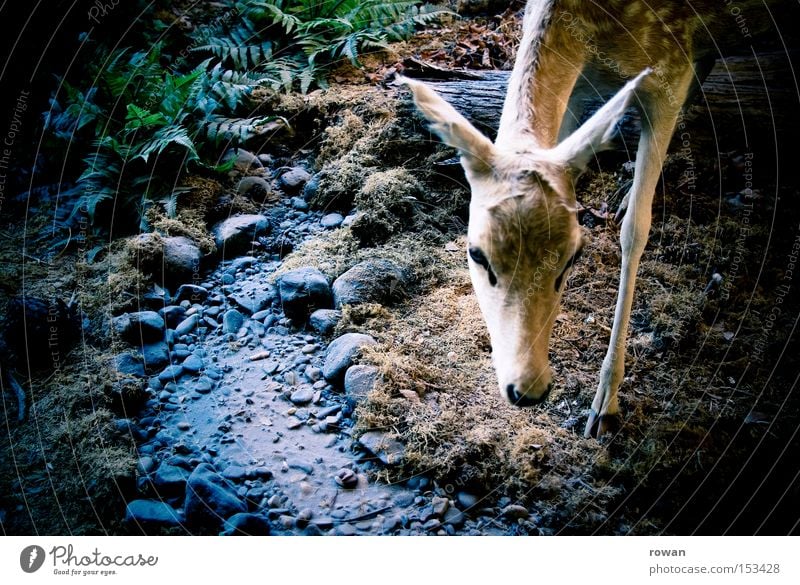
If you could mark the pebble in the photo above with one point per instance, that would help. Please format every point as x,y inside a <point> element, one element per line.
<point>302,396</point>
<point>293,423</point>
<point>232,321</point>
<point>170,373</point>
<point>514,511</point>
<point>193,364</point>
<point>187,325</point>
<point>346,478</point>
<point>331,220</point>
<point>466,501</point>
<point>184,426</point>
<point>203,385</point>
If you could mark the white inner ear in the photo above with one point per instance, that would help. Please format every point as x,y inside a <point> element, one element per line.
<point>597,132</point>
<point>476,150</point>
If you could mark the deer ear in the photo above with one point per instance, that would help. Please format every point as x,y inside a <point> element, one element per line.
<point>477,151</point>
<point>597,132</point>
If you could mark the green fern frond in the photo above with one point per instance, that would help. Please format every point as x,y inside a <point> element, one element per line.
<point>237,131</point>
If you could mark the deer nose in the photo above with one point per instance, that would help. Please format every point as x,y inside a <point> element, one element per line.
<point>522,400</point>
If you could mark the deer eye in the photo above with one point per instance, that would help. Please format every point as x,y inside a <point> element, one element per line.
<point>575,257</point>
<point>479,258</point>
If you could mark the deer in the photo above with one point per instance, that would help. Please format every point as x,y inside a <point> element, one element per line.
<point>523,233</point>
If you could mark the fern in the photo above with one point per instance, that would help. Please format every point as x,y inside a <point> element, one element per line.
<point>237,131</point>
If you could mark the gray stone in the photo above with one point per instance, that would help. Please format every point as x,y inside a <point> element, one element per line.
<point>254,187</point>
<point>244,160</point>
<point>151,513</point>
<point>170,373</point>
<point>242,263</point>
<point>324,321</point>
<point>359,380</point>
<point>298,203</point>
<point>234,473</point>
<point>170,480</point>
<point>129,364</point>
<point>234,235</point>
<point>210,500</point>
<point>302,396</point>
<point>293,180</point>
<point>187,325</point>
<point>254,296</point>
<point>173,315</point>
<point>466,501</point>
<point>193,364</point>
<point>145,465</point>
<point>232,321</point>
<point>155,355</point>
<point>341,353</point>
<point>371,281</point>
<point>192,293</point>
<point>139,327</point>
<point>203,385</point>
<point>389,450</point>
<point>331,221</point>
<point>181,258</point>
<point>454,517</point>
<point>245,525</point>
<point>302,291</point>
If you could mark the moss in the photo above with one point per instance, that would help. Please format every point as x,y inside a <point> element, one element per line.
<point>386,205</point>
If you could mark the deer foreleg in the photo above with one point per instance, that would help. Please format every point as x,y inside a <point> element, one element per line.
<point>659,117</point>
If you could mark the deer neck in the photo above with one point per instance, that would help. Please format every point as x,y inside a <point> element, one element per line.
<point>546,68</point>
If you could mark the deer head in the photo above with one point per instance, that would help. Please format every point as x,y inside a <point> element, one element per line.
<point>523,234</point>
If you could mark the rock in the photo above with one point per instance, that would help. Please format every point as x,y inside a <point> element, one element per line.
<point>170,480</point>
<point>187,325</point>
<point>293,180</point>
<point>440,505</point>
<point>129,364</point>
<point>324,321</point>
<point>181,259</point>
<point>151,513</point>
<point>514,512</point>
<point>254,187</point>
<point>341,353</point>
<point>346,478</point>
<point>244,160</point>
<point>235,235</point>
<point>371,281</point>
<point>254,296</point>
<point>359,380</point>
<point>202,385</point>
<point>466,501</point>
<point>245,524</point>
<point>192,293</point>
<point>389,450</point>
<point>298,203</point>
<point>193,364</point>
<point>170,373</point>
<point>302,291</point>
<point>331,221</point>
<point>139,327</point>
<point>210,500</point>
<point>302,396</point>
<point>155,355</point>
<point>232,321</point>
<point>145,465</point>
<point>234,473</point>
<point>454,517</point>
<point>173,315</point>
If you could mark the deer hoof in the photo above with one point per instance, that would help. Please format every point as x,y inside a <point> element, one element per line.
<point>601,425</point>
